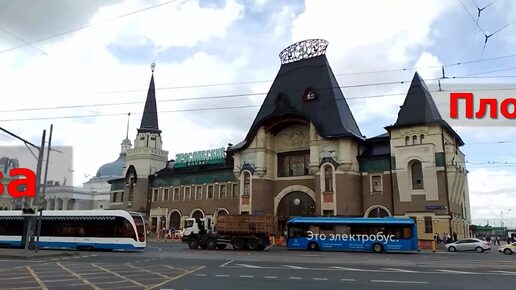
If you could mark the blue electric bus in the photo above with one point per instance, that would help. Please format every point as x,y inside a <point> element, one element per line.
<point>352,234</point>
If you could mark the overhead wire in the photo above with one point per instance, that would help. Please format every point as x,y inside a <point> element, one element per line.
<point>88,26</point>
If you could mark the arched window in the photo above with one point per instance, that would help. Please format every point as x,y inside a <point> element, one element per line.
<point>328,178</point>
<point>247,183</point>
<point>414,140</point>
<point>421,137</point>
<point>416,170</point>
<point>407,140</point>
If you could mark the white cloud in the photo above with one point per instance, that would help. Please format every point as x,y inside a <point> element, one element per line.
<point>492,195</point>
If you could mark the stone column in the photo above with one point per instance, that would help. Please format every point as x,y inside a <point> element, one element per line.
<point>65,203</point>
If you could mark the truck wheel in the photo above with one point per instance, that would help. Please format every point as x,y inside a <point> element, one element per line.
<point>253,244</point>
<point>203,246</point>
<point>193,243</point>
<point>239,244</point>
<point>211,244</point>
<point>221,246</point>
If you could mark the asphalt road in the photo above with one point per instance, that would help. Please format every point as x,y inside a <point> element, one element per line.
<point>169,265</point>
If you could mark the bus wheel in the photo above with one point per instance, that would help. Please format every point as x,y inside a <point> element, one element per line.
<point>211,244</point>
<point>221,246</point>
<point>193,243</point>
<point>253,244</point>
<point>377,248</point>
<point>239,244</point>
<point>313,246</point>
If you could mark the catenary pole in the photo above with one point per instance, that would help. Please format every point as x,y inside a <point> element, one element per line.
<point>42,197</point>
<point>29,233</point>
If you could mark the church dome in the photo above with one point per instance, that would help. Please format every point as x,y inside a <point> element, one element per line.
<point>113,169</point>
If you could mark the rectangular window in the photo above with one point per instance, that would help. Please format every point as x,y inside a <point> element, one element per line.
<point>113,196</point>
<point>155,195</point>
<point>121,196</point>
<point>176,194</point>
<point>293,163</point>
<point>376,183</point>
<point>165,194</point>
<point>187,193</point>
<point>198,192</point>
<point>222,191</point>
<point>428,225</point>
<point>234,190</point>
<point>210,192</point>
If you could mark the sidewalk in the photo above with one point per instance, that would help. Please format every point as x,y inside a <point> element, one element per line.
<point>20,253</point>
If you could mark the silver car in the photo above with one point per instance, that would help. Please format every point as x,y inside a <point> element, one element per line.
<point>469,245</point>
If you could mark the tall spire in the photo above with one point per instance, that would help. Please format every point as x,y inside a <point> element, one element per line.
<point>149,122</point>
<point>127,131</point>
<point>126,143</point>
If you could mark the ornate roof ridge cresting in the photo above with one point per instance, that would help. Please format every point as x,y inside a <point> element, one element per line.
<point>303,49</point>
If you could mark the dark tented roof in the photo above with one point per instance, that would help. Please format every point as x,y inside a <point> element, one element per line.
<point>150,112</point>
<point>329,111</point>
<point>419,109</point>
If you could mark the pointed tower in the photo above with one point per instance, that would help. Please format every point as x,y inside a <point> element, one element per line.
<point>147,156</point>
<point>428,168</point>
<point>126,143</point>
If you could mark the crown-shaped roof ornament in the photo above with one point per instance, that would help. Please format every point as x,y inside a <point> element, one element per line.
<point>303,49</point>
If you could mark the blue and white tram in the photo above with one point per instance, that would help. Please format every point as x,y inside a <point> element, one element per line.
<point>79,229</point>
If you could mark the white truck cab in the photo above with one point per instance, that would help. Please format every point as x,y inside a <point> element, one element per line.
<point>195,226</point>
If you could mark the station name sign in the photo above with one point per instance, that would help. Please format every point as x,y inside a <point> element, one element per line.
<point>203,157</point>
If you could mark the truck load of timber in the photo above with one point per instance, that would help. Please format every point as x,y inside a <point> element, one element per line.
<point>245,224</point>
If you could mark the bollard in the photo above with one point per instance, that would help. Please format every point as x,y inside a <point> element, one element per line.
<point>433,246</point>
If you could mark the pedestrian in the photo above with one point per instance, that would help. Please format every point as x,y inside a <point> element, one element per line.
<point>508,240</point>
<point>454,236</point>
<point>448,238</point>
<point>438,239</point>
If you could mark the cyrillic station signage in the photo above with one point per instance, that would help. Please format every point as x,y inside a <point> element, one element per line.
<point>203,157</point>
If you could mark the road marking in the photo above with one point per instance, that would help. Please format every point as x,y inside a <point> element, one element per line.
<point>246,276</point>
<point>455,272</point>
<point>320,279</point>
<point>400,270</point>
<point>271,277</point>
<point>23,288</point>
<point>354,269</point>
<point>35,276</point>
<point>118,275</point>
<point>59,280</point>
<point>294,267</point>
<point>308,255</point>
<point>228,262</point>
<point>401,282</point>
<point>504,272</point>
<point>222,276</point>
<point>347,280</point>
<point>16,278</point>
<point>295,278</point>
<point>148,271</point>
<point>249,266</point>
<point>78,276</point>
<point>176,277</point>
<point>174,268</point>
<point>200,275</point>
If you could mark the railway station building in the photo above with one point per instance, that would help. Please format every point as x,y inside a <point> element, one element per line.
<point>304,155</point>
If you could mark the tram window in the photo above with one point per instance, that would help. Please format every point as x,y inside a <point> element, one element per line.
<point>11,227</point>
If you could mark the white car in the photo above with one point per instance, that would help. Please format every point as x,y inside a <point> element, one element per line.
<point>508,249</point>
<point>468,245</point>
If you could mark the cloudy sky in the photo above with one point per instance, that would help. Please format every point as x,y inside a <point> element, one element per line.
<point>86,54</point>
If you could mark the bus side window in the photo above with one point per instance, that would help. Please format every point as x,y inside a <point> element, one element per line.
<point>342,229</point>
<point>327,229</point>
